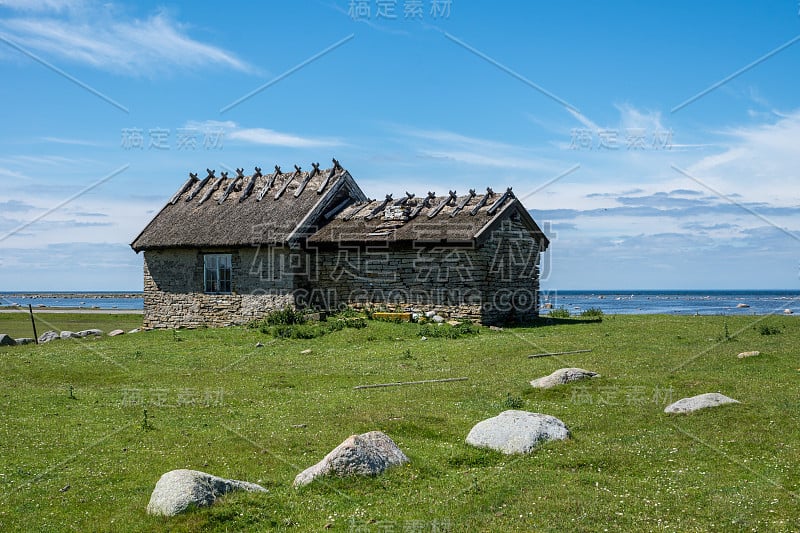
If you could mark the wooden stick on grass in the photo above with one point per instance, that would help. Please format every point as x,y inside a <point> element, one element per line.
<point>398,383</point>
<point>557,353</point>
<point>33,323</point>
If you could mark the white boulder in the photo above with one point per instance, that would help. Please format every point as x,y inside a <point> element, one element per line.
<point>513,432</point>
<point>48,336</point>
<point>7,340</point>
<point>178,490</point>
<point>701,401</point>
<point>368,454</point>
<point>561,376</point>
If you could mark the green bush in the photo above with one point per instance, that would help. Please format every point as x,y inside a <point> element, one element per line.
<point>447,331</point>
<point>561,312</point>
<point>766,329</point>
<point>285,317</point>
<point>349,312</point>
<point>297,331</point>
<point>306,330</point>
<point>592,312</point>
<point>513,402</point>
<point>355,323</point>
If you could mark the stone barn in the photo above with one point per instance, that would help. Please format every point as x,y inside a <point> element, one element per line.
<point>230,249</point>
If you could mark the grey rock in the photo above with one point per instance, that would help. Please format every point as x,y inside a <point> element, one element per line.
<point>430,314</point>
<point>748,354</point>
<point>437,319</point>
<point>48,336</point>
<point>25,340</point>
<point>561,376</point>
<point>135,330</point>
<point>7,340</point>
<point>116,332</point>
<point>368,454</point>
<point>702,401</point>
<point>69,335</point>
<point>88,332</point>
<point>178,490</point>
<point>514,431</point>
<point>788,312</point>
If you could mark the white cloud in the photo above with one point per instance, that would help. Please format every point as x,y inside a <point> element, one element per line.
<point>761,160</point>
<point>276,138</point>
<point>73,142</point>
<point>263,136</point>
<point>474,151</point>
<point>633,118</point>
<point>43,5</point>
<point>110,41</point>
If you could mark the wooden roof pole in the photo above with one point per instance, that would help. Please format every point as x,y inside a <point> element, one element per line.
<point>305,181</point>
<point>200,185</point>
<point>442,205</point>
<point>186,187</point>
<point>297,172</point>
<point>463,203</point>
<point>336,168</point>
<point>489,194</point>
<point>269,183</point>
<point>252,183</point>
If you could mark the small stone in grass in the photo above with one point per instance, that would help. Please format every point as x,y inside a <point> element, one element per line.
<point>701,401</point>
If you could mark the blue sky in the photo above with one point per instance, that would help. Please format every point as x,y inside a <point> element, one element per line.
<point>657,143</point>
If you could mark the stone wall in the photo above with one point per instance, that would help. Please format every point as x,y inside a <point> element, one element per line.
<point>492,283</point>
<point>496,282</point>
<point>174,296</point>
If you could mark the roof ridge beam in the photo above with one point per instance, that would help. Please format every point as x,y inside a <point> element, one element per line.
<point>489,194</point>
<point>186,187</point>
<point>232,184</point>
<point>425,203</point>
<point>297,172</point>
<point>200,185</point>
<point>463,203</point>
<point>442,205</point>
<point>336,168</point>
<point>308,178</point>
<point>213,189</point>
<point>252,183</point>
<point>379,208</point>
<point>495,206</point>
<point>269,183</point>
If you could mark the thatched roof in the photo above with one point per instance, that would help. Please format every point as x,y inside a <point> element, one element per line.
<point>241,210</point>
<point>452,219</point>
<point>324,207</point>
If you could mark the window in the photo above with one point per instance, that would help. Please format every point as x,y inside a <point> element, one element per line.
<point>217,272</point>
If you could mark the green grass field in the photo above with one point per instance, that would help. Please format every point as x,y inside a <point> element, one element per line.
<point>217,403</point>
<point>19,324</point>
